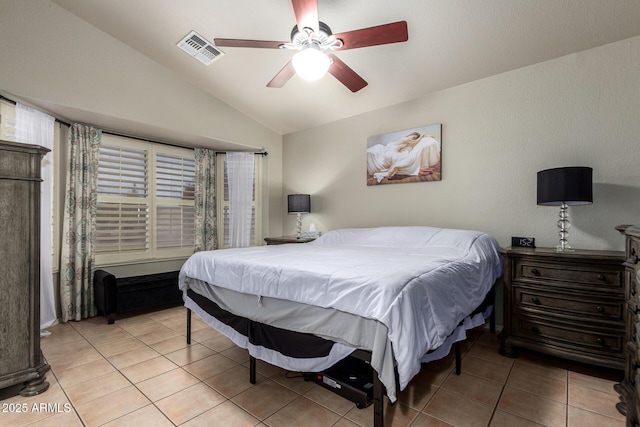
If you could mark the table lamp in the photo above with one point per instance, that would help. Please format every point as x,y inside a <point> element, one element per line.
<point>564,187</point>
<point>299,204</point>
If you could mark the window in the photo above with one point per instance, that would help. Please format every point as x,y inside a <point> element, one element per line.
<point>223,202</point>
<point>145,206</point>
<point>175,212</point>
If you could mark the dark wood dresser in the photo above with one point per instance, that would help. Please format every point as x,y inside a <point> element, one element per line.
<point>569,305</point>
<point>22,367</point>
<point>629,388</point>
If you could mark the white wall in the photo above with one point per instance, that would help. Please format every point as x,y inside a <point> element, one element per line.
<point>578,110</point>
<point>52,57</point>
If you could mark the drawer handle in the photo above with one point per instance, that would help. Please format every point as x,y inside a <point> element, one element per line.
<point>601,277</point>
<point>599,309</point>
<point>600,341</point>
<point>535,272</point>
<point>535,300</point>
<point>535,329</point>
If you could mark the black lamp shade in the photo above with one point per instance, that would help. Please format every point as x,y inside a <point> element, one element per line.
<point>299,203</point>
<point>570,185</point>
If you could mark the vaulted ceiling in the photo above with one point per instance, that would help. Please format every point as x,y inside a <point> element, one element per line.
<point>451,42</point>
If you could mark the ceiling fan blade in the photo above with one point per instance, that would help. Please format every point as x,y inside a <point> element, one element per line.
<point>266,44</point>
<point>346,75</point>
<point>374,36</point>
<point>306,12</point>
<point>283,76</point>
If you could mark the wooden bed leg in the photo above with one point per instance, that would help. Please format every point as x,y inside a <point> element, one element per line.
<point>378,402</point>
<point>252,369</point>
<point>458,358</point>
<point>492,321</point>
<point>492,316</point>
<point>188,326</point>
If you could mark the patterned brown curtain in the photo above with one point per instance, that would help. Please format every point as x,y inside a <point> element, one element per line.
<point>78,233</point>
<point>205,200</point>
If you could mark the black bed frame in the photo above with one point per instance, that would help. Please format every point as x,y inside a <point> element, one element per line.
<point>378,388</point>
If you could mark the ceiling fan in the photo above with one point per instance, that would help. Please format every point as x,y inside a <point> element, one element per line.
<point>315,44</point>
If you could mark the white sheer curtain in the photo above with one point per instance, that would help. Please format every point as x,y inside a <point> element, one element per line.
<point>35,127</point>
<point>240,175</point>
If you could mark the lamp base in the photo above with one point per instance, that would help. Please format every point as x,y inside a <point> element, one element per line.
<point>299,225</point>
<point>564,224</point>
<point>566,248</point>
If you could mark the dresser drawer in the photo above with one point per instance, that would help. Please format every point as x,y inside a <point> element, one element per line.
<point>582,275</point>
<point>600,340</point>
<point>593,308</point>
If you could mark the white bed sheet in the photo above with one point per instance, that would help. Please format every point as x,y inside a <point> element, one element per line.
<point>420,282</point>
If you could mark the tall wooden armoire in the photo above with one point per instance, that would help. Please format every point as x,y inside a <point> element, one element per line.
<point>22,366</point>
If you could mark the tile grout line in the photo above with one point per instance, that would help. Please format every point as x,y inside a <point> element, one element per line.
<point>65,394</point>
<point>120,372</point>
<point>200,381</point>
<point>152,402</point>
<point>117,370</point>
<point>504,386</point>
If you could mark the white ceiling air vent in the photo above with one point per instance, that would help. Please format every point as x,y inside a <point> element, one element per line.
<point>198,47</point>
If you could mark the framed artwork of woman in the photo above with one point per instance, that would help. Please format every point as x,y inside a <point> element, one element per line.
<point>411,155</point>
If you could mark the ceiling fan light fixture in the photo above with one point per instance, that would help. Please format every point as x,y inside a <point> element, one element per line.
<point>315,44</point>
<point>311,64</point>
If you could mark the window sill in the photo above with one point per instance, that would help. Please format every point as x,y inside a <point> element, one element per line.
<point>139,262</point>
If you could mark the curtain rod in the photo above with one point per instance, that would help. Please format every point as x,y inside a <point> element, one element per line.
<point>257,153</point>
<point>11,101</point>
<point>139,138</point>
<point>263,153</point>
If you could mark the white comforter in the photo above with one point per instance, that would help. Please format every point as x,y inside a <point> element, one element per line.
<point>418,281</point>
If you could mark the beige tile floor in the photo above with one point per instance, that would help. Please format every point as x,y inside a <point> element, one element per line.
<point>140,372</point>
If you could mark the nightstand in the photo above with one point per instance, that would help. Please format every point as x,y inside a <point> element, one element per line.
<point>287,239</point>
<point>569,305</point>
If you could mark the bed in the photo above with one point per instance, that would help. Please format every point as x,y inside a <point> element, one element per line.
<point>403,295</point>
